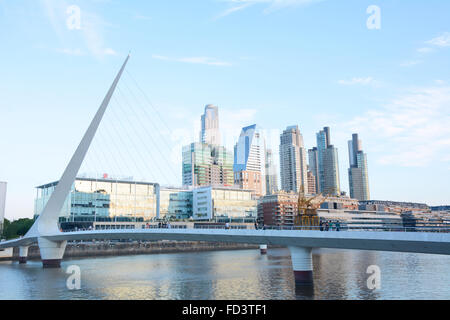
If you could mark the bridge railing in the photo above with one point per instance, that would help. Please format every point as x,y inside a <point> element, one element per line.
<point>333,228</point>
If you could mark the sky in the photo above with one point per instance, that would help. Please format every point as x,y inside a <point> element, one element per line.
<point>379,68</point>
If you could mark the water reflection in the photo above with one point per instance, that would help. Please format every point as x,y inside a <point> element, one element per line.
<point>241,275</point>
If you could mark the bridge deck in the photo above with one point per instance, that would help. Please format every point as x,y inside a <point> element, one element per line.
<point>419,242</point>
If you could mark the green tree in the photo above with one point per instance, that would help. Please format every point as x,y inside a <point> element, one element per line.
<point>15,229</point>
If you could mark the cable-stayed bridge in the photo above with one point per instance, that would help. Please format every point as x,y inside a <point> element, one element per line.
<point>52,242</point>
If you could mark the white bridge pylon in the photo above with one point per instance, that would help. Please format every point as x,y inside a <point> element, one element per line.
<point>47,222</point>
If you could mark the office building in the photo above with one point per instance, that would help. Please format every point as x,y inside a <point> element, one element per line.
<point>103,200</point>
<point>357,173</point>
<point>210,133</point>
<point>271,173</point>
<point>328,163</point>
<point>249,161</point>
<point>293,166</point>
<point>175,203</point>
<point>223,203</point>
<point>206,164</point>
<point>314,169</point>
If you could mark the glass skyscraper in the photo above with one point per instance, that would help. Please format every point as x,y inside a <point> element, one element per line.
<point>358,173</point>
<point>249,161</point>
<point>210,133</point>
<point>328,163</point>
<point>206,164</point>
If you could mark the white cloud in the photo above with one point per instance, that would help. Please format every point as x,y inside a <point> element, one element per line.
<point>425,50</point>
<point>441,41</point>
<point>72,52</point>
<point>412,130</point>
<point>410,63</point>
<point>195,60</point>
<point>358,81</point>
<point>271,5</point>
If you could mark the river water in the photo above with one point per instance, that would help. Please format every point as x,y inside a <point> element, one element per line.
<point>240,274</point>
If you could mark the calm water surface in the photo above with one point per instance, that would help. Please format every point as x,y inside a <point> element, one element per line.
<point>241,274</point>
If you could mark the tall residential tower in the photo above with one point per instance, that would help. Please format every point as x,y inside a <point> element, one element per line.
<point>328,164</point>
<point>357,173</point>
<point>293,167</point>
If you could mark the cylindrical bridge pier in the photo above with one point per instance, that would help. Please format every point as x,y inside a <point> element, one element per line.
<point>52,252</point>
<point>302,265</point>
<point>23,255</point>
<point>263,248</point>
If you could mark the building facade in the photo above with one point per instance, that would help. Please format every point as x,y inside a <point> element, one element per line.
<point>278,209</point>
<point>271,173</point>
<point>311,183</point>
<point>293,166</point>
<point>104,199</point>
<point>313,160</point>
<point>358,173</point>
<point>210,133</point>
<point>249,161</point>
<point>328,164</point>
<point>223,203</point>
<point>175,203</point>
<point>206,164</point>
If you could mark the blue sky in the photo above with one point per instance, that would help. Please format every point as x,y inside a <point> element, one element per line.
<point>274,63</point>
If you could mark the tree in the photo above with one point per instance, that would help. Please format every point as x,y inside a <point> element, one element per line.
<point>15,229</point>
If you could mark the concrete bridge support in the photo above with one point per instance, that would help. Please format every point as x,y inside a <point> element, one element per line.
<point>23,254</point>
<point>302,265</point>
<point>263,248</point>
<point>52,252</point>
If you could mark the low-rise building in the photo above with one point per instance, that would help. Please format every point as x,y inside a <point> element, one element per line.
<point>339,203</point>
<point>221,202</point>
<point>278,209</point>
<point>391,206</point>
<point>104,199</point>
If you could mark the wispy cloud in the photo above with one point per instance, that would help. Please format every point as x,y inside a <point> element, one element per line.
<point>410,131</point>
<point>425,50</point>
<point>410,63</point>
<point>441,41</point>
<point>358,81</point>
<point>195,60</point>
<point>271,5</point>
<point>71,52</point>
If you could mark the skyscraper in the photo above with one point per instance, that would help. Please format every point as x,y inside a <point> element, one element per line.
<point>358,173</point>
<point>293,167</point>
<point>271,174</point>
<point>249,161</point>
<point>328,164</point>
<point>210,133</point>
<point>314,168</point>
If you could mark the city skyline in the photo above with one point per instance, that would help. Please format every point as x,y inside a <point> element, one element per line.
<point>388,85</point>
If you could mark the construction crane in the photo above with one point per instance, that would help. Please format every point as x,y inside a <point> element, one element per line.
<point>307,209</point>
